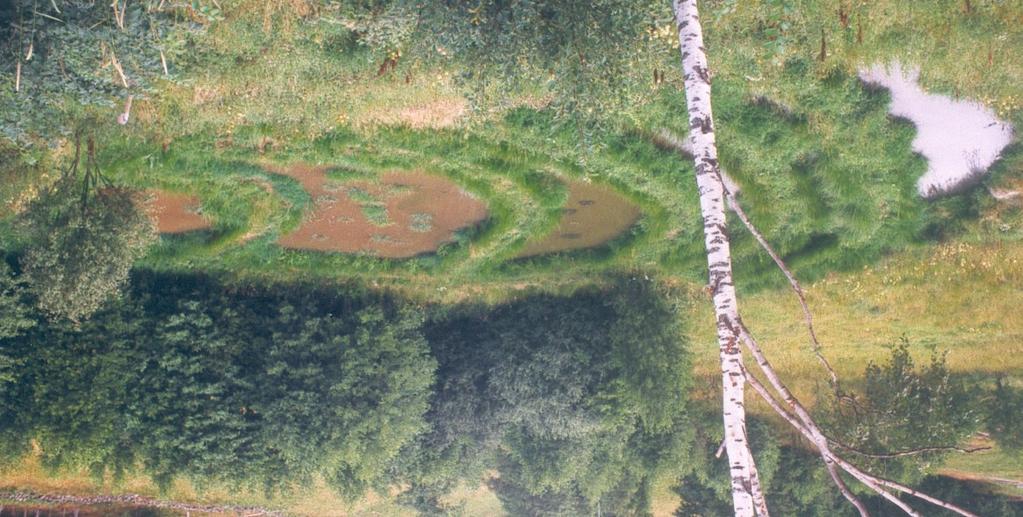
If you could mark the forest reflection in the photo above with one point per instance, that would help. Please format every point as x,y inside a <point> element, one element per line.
<point>563,405</point>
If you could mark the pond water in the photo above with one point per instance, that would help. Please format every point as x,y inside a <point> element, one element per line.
<point>960,139</point>
<point>592,215</point>
<point>173,212</point>
<point>404,214</point>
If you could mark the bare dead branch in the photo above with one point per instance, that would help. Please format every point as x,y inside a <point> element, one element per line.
<point>907,490</point>
<point>796,287</point>
<point>805,421</point>
<point>44,15</point>
<point>910,452</point>
<point>808,427</point>
<point>832,471</point>
<point>117,67</point>
<point>826,453</point>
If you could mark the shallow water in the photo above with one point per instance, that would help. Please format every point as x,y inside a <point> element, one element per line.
<point>960,139</point>
<point>592,215</point>
<point>403,215</point>
<point>175,213</point>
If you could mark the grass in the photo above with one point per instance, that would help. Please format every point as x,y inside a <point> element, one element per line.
<point>825,174</point>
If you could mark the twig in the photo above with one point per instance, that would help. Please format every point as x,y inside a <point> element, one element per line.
<point>54,4</point>
<point>28,55</point>
<point>117,66</point>
<point>796,288</point>
<point>910,452</point>
<point>119,15</point>
<point>163,61</point>
<point>17,77</point>
<point>44,15</point>
<point>720,450</point>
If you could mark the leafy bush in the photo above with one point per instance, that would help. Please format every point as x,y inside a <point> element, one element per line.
<point>84,235</point>
<point>903,408</point>
<point>542,390</point>
<point>1005,415</point>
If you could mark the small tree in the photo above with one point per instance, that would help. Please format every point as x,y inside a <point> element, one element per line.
<point>1005,415</point>
<point>84,234</point>
<point>906,415</point>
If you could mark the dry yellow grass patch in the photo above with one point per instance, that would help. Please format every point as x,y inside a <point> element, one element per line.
<point>959,297</point>
<point>436,114</point>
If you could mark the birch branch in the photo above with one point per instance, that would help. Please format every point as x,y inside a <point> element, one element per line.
<point>832,471</point>
<point>796,288</point>
<point>910,452</point>
<point>806,425</point>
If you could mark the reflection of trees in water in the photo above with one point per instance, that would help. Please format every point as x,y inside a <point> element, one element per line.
<point>576,402</point>
<point>245,385</point>
<point>564,405</point>
<point>264,386</point>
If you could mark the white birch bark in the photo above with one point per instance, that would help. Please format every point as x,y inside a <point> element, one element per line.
<point>747,498</point>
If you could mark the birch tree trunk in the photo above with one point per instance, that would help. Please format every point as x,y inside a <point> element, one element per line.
<point>747,498</point>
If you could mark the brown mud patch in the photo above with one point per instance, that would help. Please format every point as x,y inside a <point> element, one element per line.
<point>403,215</point>
<point>592,215</point>
<point>173,212</point>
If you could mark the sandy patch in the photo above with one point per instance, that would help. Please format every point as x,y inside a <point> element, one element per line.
<point>592,215</point>
<point>960,139</point>
<point>403,215</point>
<point>173,212</point>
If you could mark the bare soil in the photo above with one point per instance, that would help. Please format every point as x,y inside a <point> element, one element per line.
<point>413,213</point>
<point>173,212</point>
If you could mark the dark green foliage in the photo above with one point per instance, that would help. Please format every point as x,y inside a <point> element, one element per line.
<point>797,483</point>
<point>65,58</point>
<point>16,314</point>
<point>903,408</point>
<point>194,379</point>
<point>543,388</point>
<point>83,236</point>
<point>1004,413</point>
<point>16,317</point>
<point>966,494</point>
